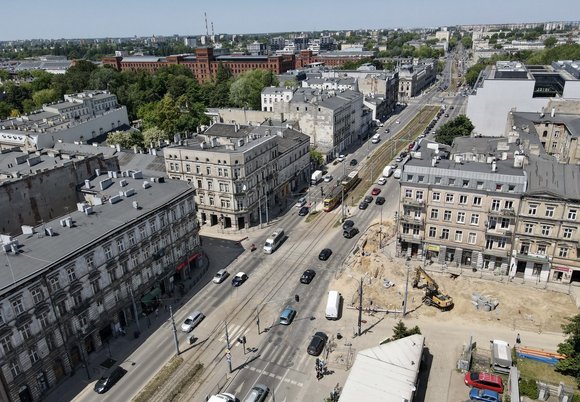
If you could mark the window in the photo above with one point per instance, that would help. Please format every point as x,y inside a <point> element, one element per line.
<point>54,283</point>
<point>445,234</point>
<point>17,306</point>
<point>408,193</point>
<point>568,233</point>
<point>208,170</point>
<point>550,211</point>
<point>418,195</point>
<point>210,185</point>
<point>70,272</point>
<point>511,188</point>
<point>437,196</point>
<point>33,354</point>
<point>477,201</point>
<point>432,231</point>
<point>132,241</point>
<point>6,343</point>
<point>434,214</point>
<point>120,245</point>
<point>437,180</point>
<point>89,260</point>
<point>108,252</point>
<point>563,252</point>
<point>524,248</point>
<point>532,209</point>
<point>508,204</point>
<point>451,182</point>
<point>501,242</point>
<point>15,368</point>
<point>447,216</point>
<point>463,199</point>
<point>461,217</point>
<point>498,187</point>
<point>480,185</point>
<point>572,214</point>
<point>95,286</point>
<point>25,331</point>
<point>43,319</point>
<point>505,223</point>
<point>458,235</point>
<point>211,201</point>
<point>37,295</point>
<point>554,144</point>
<point>199,183</point>
<point>465,184</point>
<point>134,260</point>
<point>546,230</point>
<point>50,342</point>
<point>529,228</point>
<point>153,225</point>
<point>77,298</point>
<point>471,238</point>
<point>448,197</point>
<point>537,269</point>
<point>495,205</point>
<point>421,179</point>
<point>475,219</point>
<point>112,275</point>
<point>142,232</point>
<point>542,249</point>
<point>220,172</point>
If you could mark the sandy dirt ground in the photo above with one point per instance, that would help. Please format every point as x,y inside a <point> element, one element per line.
<point>519,306</point>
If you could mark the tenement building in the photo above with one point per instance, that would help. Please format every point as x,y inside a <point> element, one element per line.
<point>72,283</point>
<point>241,172</point>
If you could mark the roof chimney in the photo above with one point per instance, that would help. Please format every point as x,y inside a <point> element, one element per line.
<point>494,166</point>
<point>553,112</point>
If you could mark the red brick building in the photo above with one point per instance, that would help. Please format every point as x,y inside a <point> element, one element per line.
<point>331,59</point>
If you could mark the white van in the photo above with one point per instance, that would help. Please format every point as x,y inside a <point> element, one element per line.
<point>274,241</point>
<point>397,174</point>
<point>501,356</point>
<point>333,305</point>
<point>376,138</point>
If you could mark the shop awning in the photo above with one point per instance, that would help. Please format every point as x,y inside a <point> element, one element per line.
<point>149,297</point>
<point>193,257</point>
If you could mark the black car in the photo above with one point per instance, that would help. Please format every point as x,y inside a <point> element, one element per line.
<point>325,254</point>
<point>303,211</point>
<point>105,383</point>
<point>363,205</point>
<point>239,279</point>
<point>350,233</point>
<point>353,162</point>
<point>317,343</point>
<point>368,199</point>
<point>380,200</point>
<point>307,276</point>
<point>347,224</point>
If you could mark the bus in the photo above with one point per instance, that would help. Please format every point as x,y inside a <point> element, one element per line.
<point>335,197</point>
<point>274,241</point>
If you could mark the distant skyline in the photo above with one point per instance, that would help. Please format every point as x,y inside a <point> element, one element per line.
<point>27,19</point>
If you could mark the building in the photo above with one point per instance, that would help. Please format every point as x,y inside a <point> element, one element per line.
<point>204,63</point>
<point>457,211</point>
<point>443,35</point>
<point>339,84</point>
<point>547,236</point>
<point>415,78</point>
<point>72,283</point>
<point>240,172</point>
<point>332,58</point>
<point>273,95</point>
<point>257,49</point>
<point>79,118</point>
<point>512,86</point>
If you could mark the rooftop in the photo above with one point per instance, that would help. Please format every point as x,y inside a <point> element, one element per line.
<point>547,176</point>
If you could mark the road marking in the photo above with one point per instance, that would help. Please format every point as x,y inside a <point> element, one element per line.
<point>278,377</point>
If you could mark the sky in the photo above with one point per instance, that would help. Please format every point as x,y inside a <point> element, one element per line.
<point>56,19</point>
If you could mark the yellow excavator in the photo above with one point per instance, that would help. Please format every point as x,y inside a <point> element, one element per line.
<point>433,297</point>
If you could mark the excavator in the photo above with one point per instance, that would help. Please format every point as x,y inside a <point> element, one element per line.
<point>433,297</point>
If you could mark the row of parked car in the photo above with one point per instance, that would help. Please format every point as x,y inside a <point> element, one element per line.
<point>485,387</point>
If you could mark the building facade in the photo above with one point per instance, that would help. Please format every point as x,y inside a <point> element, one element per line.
<point>75,282</point>
<point>415,78</point>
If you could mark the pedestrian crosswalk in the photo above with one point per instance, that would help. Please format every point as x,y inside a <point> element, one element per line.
<point>234,333</point>
<point>276,376</point>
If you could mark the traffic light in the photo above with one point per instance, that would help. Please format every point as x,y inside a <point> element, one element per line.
<point>297,298</point>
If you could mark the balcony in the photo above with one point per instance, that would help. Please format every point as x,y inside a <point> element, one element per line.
<point>411,238</point>
<point>503,232</point>
<point>541,258</point>
<point>412,219</point>
<point>505,212</point>
<point>413,203</point>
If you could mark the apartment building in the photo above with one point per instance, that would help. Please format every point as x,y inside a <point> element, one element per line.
<point>457,211</point>
<point>547,236</point>
<point>415,78</point>
<point>79,118</point>
<point>240,172</point>
<point>72,283</point>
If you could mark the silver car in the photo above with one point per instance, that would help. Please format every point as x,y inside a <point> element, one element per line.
<point>258,393</point>
<point>192,321</point>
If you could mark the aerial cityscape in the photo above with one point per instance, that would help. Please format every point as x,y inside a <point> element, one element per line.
<point>338,202</point>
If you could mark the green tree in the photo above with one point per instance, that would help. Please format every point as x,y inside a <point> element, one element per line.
<point>153,136</point>
<point>467,42</point>
<point>571,348</point>
<point>126,139</point>
<point>246,89</point>
<point>163,115</point>
<point>44,96</point>
<point>317,157</point>
<point>400,330</point>
<point>550,41</point>
<point>461,126</point>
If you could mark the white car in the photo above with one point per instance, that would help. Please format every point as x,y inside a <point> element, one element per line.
<point>341,157</point>
<point>300,203</point>
<point>376,138</point>
<point>398,122</point>
<point>220,276</point>
<point>382,180</point>
<point>192,321</point>
<point>327,178</point>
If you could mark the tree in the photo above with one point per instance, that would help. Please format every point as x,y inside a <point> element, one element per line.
<point>152,136</point>
<point>400,330</point>
<point>461,126</point>
<point>467,42</point>
<point>571,348</point>
<point>246,89</point>
<point>550,41</point>
<point>317,157</point>
<point>126,139</point>
<point>44,96</point>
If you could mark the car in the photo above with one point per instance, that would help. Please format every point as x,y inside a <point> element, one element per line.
<point>317,344</point>
<point>363,205</point>
<point>223,397</point>
<point>380,200</point>
<point>368,199</point>
<point>399,158</point>
<point>376,139</point>
<point>220,276</point>
<point>327,178</point>
<point>483,395</point>
<point>300,203</point>
<point>382,180</point>
<point>376,191</point>
<point>347,224</point>
<point>239,279</point>
<point>341,157</point>
<point>451,107</point>
<point>446,114</point>
<point>191,321</point>
<point>287,315</point>
<point>398,122</point>
<point>303,211</point>
<point>106,382</point>
<point>258,393</point>
<point>422,135</point>
<point>411,145</point>
<point>353,162</point>
<point>484,380</point>
<point>350,233</point>
<point>307,276</point>
<point>387,131</point>
<point>325,254</point>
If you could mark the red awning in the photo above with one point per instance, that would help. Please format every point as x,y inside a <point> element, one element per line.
<point>193,257</point>
<point>181,266</point>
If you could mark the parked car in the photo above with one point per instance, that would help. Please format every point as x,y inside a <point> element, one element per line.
<point>376,191</point>
<point>380,200</point>
<point>368,199</point>
<point>220,276</point>
<point>239,279</point>
<point>363,205</point>
<point>350,233</point>
<point>317,343</point>
<point>106,382</point>
<point>387,131</point>
<point>258,393</point>
<point>303,211</point>
<point>327,178</point>
<point>287,315</point>
<point>382,180</point>
<point>398,122</point>
<point>484,395</point>
<point>307,276</point>
<point>446,114</point>
<point>325,254</point>
<point>484,380</point>
<point>341,157</point>
<point>347,224</point>
<point>300,203</point>
<point>353,162</point>
<point>192,321</point>
<point>399,158</point>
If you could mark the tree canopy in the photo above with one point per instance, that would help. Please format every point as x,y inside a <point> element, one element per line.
<point>571,348</point>
<point>245,91</point>
<point>461,126</point>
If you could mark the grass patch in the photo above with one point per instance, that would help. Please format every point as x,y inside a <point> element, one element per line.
<point>191,376</point>
<point>160,378</point>
<point>543,372</point>
<point>311,216</point>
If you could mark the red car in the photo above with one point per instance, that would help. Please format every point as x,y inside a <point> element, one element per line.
<point>483,380</point>
<point>376,191</point>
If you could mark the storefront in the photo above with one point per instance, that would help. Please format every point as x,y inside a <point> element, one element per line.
<point>561,274</point>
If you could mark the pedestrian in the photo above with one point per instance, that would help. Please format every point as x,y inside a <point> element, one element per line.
<point>157,312</point>
<point>518,339</point>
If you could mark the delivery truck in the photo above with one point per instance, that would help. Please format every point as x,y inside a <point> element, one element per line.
<point>316,177</point>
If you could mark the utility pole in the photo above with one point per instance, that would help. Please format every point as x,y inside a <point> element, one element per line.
<point>228,350</point>
<point>381,229</point>
<point>360,300</point>
<point>134,308</point>
<point>406,291</point>
<point>258,319</point>
<point>174,331</point>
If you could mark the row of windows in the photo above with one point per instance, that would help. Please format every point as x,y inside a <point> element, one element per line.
<point>465,183</point>
<point>550,211</point>
<point>547,230</point>
<point>542,249</point>
<point>450,198</point>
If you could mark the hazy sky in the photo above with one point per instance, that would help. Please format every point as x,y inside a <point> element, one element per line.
<point>28,19</point>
